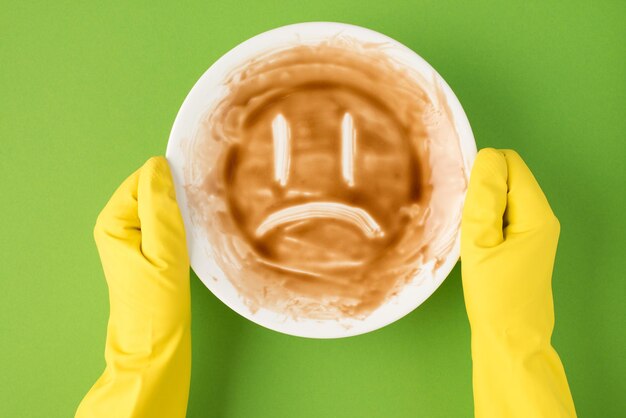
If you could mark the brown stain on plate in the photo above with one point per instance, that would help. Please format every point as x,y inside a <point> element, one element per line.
<point>325,178</point>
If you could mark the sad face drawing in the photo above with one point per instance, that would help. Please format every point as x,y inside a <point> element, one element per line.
<point>315,186</point>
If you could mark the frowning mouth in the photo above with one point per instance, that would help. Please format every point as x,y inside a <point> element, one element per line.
<point>322,210</point>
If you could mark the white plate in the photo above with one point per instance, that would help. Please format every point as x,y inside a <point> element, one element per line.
<point>203,95</point>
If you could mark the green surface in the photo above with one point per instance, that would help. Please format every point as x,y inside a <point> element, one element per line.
<point>88,93</point>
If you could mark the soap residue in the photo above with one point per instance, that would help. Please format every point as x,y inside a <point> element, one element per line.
<point>326,178</point>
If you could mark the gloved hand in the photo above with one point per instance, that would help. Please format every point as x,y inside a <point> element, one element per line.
<point>141,241</point>
<point>509,237</point>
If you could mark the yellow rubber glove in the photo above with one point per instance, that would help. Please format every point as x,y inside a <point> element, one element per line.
<point>509,237</point>
<point>141,241</point>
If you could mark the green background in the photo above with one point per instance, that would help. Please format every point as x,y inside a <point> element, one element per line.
<point>88,93</point>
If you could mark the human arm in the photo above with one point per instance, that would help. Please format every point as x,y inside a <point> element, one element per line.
<point>141,242</point>
<point>509,237</point>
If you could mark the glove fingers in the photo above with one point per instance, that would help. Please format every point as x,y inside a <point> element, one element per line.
<point>163,233</point>
<point>527,206</point>
<point>119,218</point>
<point>485,201</point>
